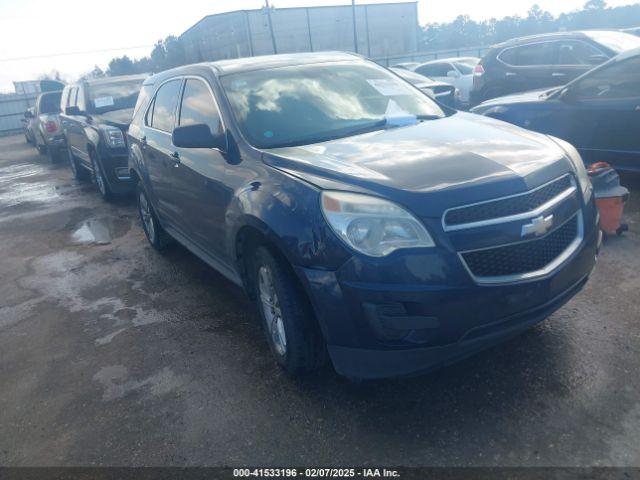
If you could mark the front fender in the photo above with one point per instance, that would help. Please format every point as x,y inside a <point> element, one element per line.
<point>287,212</point>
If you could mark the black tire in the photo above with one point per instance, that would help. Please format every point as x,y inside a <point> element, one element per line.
<point>99,179</point>
<point>156,235</point>
<point>304,348</point>
<point>42,149</point>
<point>79,172</point>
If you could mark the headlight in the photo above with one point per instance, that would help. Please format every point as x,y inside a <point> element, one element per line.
<point>114,137</point>
<point>578,166</point>
<point>371,225</point>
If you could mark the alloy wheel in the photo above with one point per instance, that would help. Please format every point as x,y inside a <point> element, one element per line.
<point>271,309</point>
<point>146,216</point>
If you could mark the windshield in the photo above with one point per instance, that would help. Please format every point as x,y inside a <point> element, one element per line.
<point>616,41</point>
<point>50,103</point>
<point>309,104</point>
<point>113,96</point>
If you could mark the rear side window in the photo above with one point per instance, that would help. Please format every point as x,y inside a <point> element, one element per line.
<point>198,106</point>
<point>73,97</point>
<point>141,103</point>
<point>617,80</point>
<point>529,55</point>
<point>164,106</point>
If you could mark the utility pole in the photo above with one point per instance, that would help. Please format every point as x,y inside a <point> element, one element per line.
<point>355,32</point>
<point>273,37</point>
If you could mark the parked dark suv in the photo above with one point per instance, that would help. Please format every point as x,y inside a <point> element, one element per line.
<point>96,114</point>
<point>598,113</point>
<point>543,61</point>
<point>365,220</point>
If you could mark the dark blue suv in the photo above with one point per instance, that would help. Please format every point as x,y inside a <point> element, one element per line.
<point>368,222</point>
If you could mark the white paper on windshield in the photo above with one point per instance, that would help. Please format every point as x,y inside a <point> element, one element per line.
<point>389,87</point>
<point>396,116</point>
<point>101,102</point>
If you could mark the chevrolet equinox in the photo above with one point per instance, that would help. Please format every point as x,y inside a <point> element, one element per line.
<point>369,223</point>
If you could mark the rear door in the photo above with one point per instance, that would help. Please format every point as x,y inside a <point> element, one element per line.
<point>157,149</point>
<point>199,184</point>
<point>605,120</point>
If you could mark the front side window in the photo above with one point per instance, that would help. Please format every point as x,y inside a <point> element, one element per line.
<point>529,55</point>
<point>198,106</point>
<point>164,106</point>
<point>572,52</point>
<point>314,103</point>
<point>107,97</point>
<point>616,80</point>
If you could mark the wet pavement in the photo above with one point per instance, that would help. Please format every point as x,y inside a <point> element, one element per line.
<point>113,354</point>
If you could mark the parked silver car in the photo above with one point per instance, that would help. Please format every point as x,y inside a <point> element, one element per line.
<point>47,133</point>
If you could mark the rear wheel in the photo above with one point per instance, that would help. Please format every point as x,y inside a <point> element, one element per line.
<point>97,175</point>
<point>291,329</point>
<point>42,149</point>
<point>156,235</point>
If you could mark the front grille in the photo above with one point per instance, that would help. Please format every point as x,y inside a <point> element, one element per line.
<point>523,257</point>
<point>507,206</point>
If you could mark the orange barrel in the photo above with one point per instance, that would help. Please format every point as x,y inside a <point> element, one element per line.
<point>610,197</point>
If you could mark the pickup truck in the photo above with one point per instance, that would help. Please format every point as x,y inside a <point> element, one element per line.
<point>96,115</point>
<point>45,125</point>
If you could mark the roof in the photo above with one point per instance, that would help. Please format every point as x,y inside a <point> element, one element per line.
<point>121,78</point>
<point>293,8</point>
<point>541,36</point>
<point>247,64</point>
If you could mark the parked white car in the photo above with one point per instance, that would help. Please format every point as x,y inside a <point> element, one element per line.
<point>455,71</point>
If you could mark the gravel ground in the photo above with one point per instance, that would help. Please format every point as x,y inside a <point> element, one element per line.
<point>112,354</point>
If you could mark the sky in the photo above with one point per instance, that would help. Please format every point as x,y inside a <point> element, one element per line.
<point>34,32</point>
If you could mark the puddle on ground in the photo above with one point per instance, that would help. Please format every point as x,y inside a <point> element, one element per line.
<point>95,230</point>
<point>15,187</point>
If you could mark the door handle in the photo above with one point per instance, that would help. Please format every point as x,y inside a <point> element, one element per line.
<point>558,74</point>
<point>510,74</point>
<point>176,158</point>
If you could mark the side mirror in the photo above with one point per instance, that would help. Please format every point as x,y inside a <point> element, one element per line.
<point>197,136</point>
<point>29,114</point>
<point>72,111</point>
<point>453,74</point>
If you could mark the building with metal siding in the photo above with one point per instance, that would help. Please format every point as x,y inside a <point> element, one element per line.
<point>382,30</point>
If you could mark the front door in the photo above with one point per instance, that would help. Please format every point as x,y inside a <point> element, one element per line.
<point>605,122</point>
<point>199,178</point>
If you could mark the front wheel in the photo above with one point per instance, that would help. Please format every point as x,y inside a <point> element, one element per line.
<point>290,326</point>
<point>99,178</point>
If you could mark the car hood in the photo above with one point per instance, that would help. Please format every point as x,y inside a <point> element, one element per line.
<point>430,166</point>
<point>523,97</point>
<point>116,118</point>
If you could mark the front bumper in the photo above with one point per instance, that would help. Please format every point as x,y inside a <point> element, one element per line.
<point>382,327</point>
<point>115,163</point>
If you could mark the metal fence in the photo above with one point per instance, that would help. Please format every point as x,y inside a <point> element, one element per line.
<point>391,60</point>
<point>12,108</point>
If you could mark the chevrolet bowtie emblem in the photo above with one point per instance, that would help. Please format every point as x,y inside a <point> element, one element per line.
<point>538,226</point>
